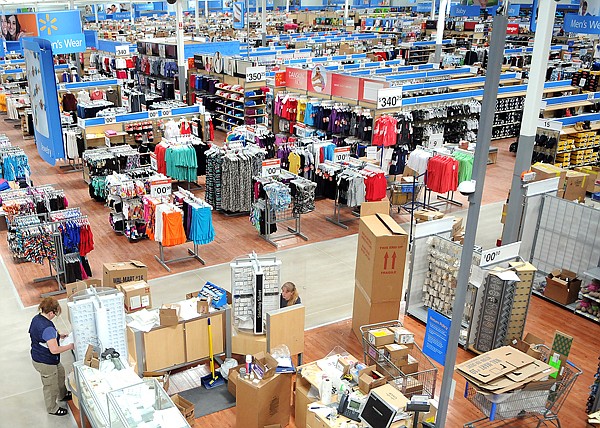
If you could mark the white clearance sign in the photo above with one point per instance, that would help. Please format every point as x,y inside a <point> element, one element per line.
<point>160,188</point>
<point>341,154</point>
<point>271,167</point>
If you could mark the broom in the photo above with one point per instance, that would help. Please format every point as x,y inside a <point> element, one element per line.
<point>213,379</point>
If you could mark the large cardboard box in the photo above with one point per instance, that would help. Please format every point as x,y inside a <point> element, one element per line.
<point>575,186</point>
<point>381,257</point>
<point>593,180</point>
<point>544,171</point>
<point>562,286</point>
<point>232,378</point>
<point>118,273</point>
<point>366,312</point>
<point>302,400</point>
<point>263,403</point>
<point>137,295</point>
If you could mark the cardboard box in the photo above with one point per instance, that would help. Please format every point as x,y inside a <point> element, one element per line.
<point>263,403</point>
<point>396,353</point>
<point>169,314</point>
<point>77,286</point>
<point>402,336</point>
<point>203,306</point>
<point>593,180</point>
<point>366,312</point>
<point>118,273</point>
<point>526,345</point>
<point>302,401</point>
<point>137,295</point>
<point>264,365</point>
<point>544,171</point>
<point>427,215</point>
<point>232,378</point>
<point>372,208</point>
<point>91,358</point>
<point>381,337</point>
<point>392,396</point>
<point>370,378</point>
<point>381,257</point>
<point>562,286</point>
<point>411,366</point>
<point>345,364</point>
<point>185,407</point>
<point>575,186</point>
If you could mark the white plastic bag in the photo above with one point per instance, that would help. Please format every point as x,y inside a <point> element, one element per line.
<point>227,365</point>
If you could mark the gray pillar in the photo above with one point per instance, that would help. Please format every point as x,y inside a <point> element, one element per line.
<point>181,62</point>
<point>531,111</point>
<point>484,135</point>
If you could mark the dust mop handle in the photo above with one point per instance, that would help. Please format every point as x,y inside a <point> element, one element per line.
<point>210,348</point>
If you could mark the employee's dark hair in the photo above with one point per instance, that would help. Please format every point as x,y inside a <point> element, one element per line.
<point>49,304</point>
<point>291,287</point>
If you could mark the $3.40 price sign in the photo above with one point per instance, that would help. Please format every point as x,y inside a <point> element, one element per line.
<point>389,97</point>
<point>256,74</point>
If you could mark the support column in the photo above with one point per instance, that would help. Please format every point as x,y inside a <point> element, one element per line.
<point>131,13</point>
<point>346,7</point>
<point>484,135</point>
<point>439,35</point>
<point>206,9</point>
<point>531,111</point>
<point>181,62</point>
<point>263,18</point>
<point>197,17</point>
<point>95,6</point>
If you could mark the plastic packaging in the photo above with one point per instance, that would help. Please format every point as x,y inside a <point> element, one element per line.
<point>227,365</point>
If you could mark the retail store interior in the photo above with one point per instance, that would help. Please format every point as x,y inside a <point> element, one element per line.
<point>309,214</point>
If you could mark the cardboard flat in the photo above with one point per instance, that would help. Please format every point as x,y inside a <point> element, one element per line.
<point>381,258</point>
<point>494,364</point>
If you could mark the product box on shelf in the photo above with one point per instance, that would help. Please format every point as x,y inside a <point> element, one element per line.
<point>137,295</point>
<point>185,407</point>
<point>562,286</point>
<point>380,258</point>
<point>118,273</point>
<point>364,311</point>
<point>544,171</point>
<point>575,186</point>
<point>169,314</point>
<point>264,402</point>
<point>77,286</point>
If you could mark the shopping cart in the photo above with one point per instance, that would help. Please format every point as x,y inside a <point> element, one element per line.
<point>533,407</point>
<point>421,382</point>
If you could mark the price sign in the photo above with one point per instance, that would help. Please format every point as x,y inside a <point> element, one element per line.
<point>341,154</point>
<point>160,188</point>
<point>7,61</point>
<point>110,119</point>
<point>106,141</point>
<point>177,95</point>
<point>500,254</point>
<point>256,74</point>
<point>153,114</point>
<point>153,162</point>
<point>582,82</point>
<point>122,50</point>
<point>62,86</point>
<point>389,97</point>
<point>553,125</point>
<point>591,96</point>
<point>271,167</point>
<point>479,28</point>
<point>165,112</point>
<point>81,122</point>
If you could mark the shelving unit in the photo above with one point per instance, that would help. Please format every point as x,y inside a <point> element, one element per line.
<point>593,275</point>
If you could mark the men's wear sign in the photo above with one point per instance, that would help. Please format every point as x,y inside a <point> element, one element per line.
<point>63,30</point>
<point>586,20</point>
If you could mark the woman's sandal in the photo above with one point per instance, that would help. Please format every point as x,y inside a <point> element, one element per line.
<point>60,412</point>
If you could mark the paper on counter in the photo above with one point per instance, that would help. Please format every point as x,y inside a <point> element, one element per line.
<point>143,320</point>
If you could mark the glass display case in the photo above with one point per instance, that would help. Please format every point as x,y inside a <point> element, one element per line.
<point>142,404</point>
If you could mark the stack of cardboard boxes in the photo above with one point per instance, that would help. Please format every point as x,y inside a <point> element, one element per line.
<point>379,273</point>
<point>572,185</point>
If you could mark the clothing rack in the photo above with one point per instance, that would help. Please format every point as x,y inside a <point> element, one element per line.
<point>192,255</point>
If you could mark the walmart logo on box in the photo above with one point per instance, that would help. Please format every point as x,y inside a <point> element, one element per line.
<point>63,30</point>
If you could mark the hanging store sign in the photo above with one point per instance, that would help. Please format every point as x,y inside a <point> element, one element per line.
<point>341,154</point>
<point>500,254</point>
<point>160,188</point>
<point>256,74</point>
<point>63,30</point>
<point>239,10</point>
<point>389,98</point>
<point>586,20</point>
<point>271,167</point>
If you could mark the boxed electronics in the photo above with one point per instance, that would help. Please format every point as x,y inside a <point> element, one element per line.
<point>185,407</point>
<point>118,273</point>
<point>544,171</point>
<point>369,378</point>
<point>264,402</point>
<point>365,311</point>
<point>381,257</point>
<point>575,186</point>
<point>562,286</point>
<point>169,314</point>
<point>137,295</point>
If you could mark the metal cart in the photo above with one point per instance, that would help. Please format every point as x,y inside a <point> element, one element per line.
<point>533,406</point>
<point>408,383</point>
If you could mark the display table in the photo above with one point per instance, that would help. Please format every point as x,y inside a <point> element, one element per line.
<point>119,398</point>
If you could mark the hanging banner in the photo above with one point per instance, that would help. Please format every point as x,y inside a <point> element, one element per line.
<point>344,86</point>
<point>63,30</point>
<point>17,26</point>
<point>587,21</point>
<point>44,99</point>
<point>319,80</point>
<point>461,10</point>
<point>239,11</point>
<point>297,78</point>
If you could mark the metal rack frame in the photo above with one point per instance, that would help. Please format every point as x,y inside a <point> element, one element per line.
<point>192,255</point>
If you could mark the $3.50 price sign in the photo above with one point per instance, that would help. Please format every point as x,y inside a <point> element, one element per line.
<point>160,188</point>
<point>389,97</point>
<point>271,167</point>
<point>256,74</point>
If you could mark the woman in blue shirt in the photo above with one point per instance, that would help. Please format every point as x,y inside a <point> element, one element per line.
<point>45,353</point>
